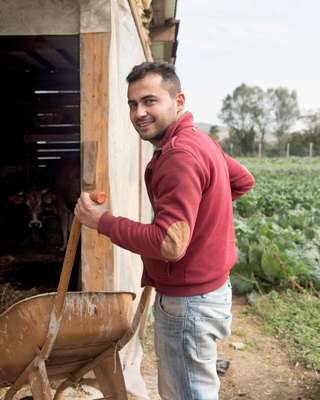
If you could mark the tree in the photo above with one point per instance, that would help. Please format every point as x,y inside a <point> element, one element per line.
<point>243,113</point>
<point>214,132</point>
<point>284,108</point>
<point>313,124</point>
<point>312,130</point>
<point>299,143</point>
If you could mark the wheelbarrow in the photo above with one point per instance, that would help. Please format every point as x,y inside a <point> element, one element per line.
<point>64,335</point>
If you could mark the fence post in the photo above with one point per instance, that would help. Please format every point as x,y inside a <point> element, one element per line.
<point>310,149</point>
<point>288,150</point>
<point>260,150</point>
<point>231,149</point>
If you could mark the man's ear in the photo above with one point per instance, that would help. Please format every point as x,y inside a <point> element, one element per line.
<point>181,100</point>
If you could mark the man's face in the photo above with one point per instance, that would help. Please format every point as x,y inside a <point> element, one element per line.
<point>152,107</point>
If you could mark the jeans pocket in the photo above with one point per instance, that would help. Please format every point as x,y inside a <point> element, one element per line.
<point>207,331</point>
<point>173,307</point>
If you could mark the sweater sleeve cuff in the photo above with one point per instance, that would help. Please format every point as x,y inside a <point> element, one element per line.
<point>105,224</point>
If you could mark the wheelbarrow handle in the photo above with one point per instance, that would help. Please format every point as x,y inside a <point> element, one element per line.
<point>59,299</point>
<point>98,197</point>
<point>67,266</point>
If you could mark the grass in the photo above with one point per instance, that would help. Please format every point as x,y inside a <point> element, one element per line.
<point>239,332</point>
<point>294,318</point>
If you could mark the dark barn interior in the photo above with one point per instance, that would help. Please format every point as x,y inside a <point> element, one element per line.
<point>39,156</point>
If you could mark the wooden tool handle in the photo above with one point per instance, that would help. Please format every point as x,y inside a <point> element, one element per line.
<point>59,299</point>
<point>98,197</point>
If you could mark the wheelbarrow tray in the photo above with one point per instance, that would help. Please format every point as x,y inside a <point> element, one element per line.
<point>91,323</point>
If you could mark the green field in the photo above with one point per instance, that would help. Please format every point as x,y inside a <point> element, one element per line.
<point>278,226</point>
<point>294,318</point>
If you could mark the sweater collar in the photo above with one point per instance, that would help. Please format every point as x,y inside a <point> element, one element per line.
<point>185,121</point>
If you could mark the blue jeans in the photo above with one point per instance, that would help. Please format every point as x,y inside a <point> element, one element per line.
<point>186,329</point>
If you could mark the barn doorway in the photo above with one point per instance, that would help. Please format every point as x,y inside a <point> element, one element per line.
<point>39,156</point>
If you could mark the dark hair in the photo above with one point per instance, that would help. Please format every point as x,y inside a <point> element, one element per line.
<point>165,70</point>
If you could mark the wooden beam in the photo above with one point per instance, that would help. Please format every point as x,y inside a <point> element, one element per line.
<point>47,100</point>
<point>97,250</point>
<point>143,38</point>
<point>25,43</point>
<point>62,80</point>
<point>41,60</point>
<point>158,12</point>
<point>31,138</point>
<point>164,33</point>
<point>54,130</point>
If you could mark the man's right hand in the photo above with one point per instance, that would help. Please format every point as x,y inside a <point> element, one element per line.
<point>89,211</point>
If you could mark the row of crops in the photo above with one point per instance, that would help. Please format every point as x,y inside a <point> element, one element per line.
<point>278,226</point>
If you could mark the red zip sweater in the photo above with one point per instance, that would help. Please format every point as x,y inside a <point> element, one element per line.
<point>189,248</point>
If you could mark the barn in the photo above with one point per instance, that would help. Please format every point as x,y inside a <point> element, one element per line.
<point>66,127</point>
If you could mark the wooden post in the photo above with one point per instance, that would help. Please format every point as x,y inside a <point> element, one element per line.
<point>110,378</point>
<point>231,149</point>
<point>288,150</point>
<point>39,383</point>
<point>97,270</point>
<point>310,149</point>
<point>260,150</point>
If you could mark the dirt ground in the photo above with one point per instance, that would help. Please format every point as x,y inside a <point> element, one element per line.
<point>259,371</point>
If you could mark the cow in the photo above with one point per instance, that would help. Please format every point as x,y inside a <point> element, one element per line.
<point>59,200</point>
<point>39,205</point>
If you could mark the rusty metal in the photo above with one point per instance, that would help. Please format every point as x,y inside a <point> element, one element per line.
<point>64,335</point>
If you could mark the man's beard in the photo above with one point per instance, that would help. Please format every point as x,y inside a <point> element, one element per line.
<point>159,136</point>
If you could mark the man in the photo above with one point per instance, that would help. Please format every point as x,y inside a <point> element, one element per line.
<point>189,248</point>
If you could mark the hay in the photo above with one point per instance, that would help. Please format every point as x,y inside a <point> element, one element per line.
<point>10,295</point>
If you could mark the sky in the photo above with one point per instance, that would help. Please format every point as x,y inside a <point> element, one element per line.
<point>266,43</point>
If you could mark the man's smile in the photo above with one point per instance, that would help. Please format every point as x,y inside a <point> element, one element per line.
<point>145,123</point>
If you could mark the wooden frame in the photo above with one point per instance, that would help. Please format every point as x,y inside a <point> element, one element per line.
<point>97,253</point>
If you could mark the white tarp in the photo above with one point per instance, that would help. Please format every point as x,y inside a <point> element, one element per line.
<point>125,52</point>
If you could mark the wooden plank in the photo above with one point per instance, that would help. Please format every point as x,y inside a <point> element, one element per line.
<point>46,100</point>
<point>25,43</point>
<point>165,33</point>
<point>35,55</point>
<point>54,130</point>
<point>30,138</point>
<point>71,59</point>
<point>14,61</point>
<point>89,153</point>
<point>63,116</point>
<point>62,80</point>
<point>97,270</point>
<point>30,110</point>
<point>110,378</point>
<point>142,36</point>
<point>39,382</point>
<point>158,12</point>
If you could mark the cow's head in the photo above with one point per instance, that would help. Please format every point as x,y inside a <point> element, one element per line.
<point>39,202</point>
